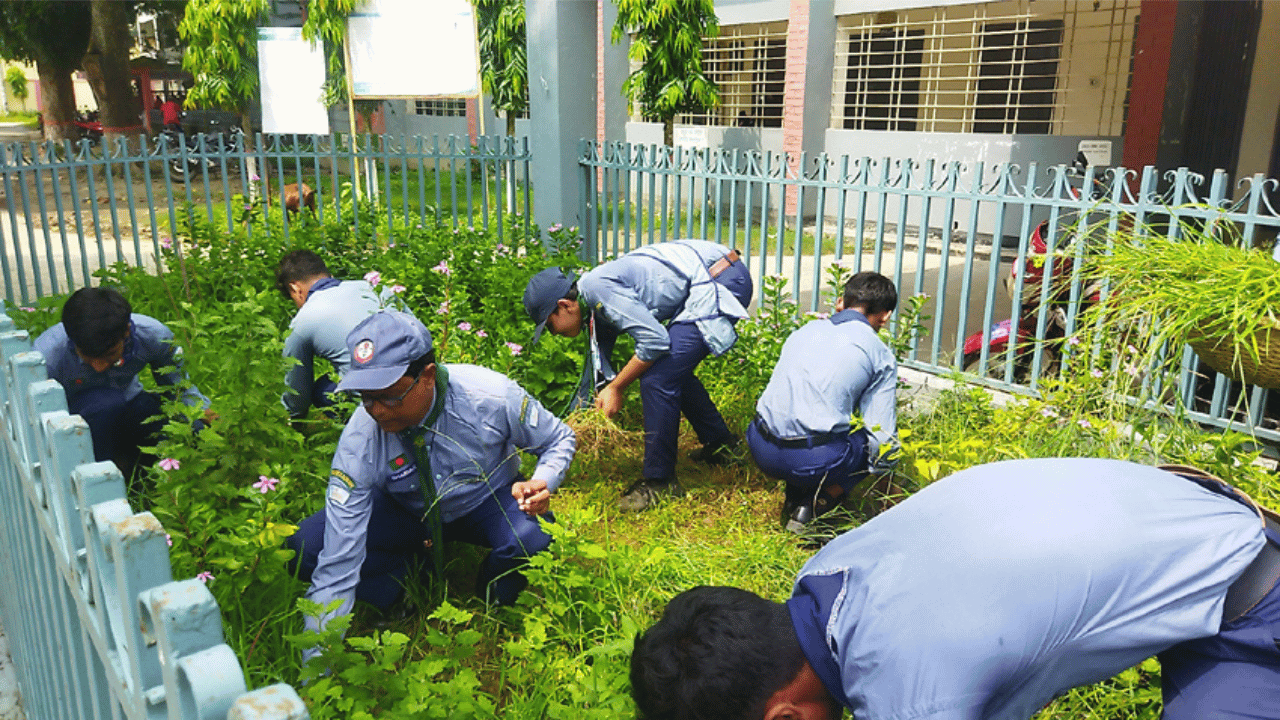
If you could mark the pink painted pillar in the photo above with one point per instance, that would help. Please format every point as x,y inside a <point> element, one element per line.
<point>793,94</point>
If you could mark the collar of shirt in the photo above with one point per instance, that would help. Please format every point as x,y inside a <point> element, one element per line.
<point>323,284</point>
<point>810,609</point>
<point>849,315</point>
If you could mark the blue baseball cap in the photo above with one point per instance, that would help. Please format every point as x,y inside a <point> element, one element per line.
<point>543,292</point>
<point>381,347</point>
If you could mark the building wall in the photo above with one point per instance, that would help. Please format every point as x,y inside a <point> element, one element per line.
<point>1260,121</point>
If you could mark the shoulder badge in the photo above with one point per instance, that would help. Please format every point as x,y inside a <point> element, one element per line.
<point>345,479</point>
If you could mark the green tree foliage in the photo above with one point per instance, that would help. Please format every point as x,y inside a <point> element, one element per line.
<point>54,35</point>
<point>222,53</point>
<point>326,22</point>
<point>504,67</point>
<point>667,42</point>
<point>17,82</point>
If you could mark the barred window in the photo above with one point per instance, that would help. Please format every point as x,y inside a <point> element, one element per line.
<point>882,84</point>
<point>749,65</point>
<point>1049,67</point>
<point>441,108</point>
<point>1018,72</point>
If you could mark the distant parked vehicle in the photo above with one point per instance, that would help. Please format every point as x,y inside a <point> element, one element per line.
<point>204,150</point>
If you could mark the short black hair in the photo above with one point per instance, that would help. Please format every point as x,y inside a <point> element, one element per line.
<point>717,653</point>
<point>417,366</point>
<point>572,292</point>
<point>297,266</point>
<point>95,319</point>
<point>871,291</point>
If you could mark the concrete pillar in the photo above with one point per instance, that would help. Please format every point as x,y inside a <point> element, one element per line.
<point>613,68</point>
<point>562,99</point>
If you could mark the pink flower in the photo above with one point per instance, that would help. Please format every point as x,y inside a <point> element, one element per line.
<point>205,577</point>
<point>397,289</point>
<point>254,177</point>
<point>1084,423</point>
<point>514,348</point>
<point>481,334</point>
<point>464,326</point>
<point>373,277</point>
<point>501,248</point>
<point>442,268</point>
<point>166,243</point>
<point>1049,413</point>
<point>265,484</point>
<point>170,464</point>
<point>247,206</point>
<point>168,539</point>
<point>1073,340</point>
<point>1096,373</point>
<point>27,309</point>
<point>555,228</point>
<point>443,309</point>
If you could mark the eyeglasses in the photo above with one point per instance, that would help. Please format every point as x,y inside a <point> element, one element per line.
<point>389,402</point>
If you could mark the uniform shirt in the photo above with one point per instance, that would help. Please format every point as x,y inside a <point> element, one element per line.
<point>638,292</point>
<point>320,329</point>
<point>472,451</point>
<point>149,343</point>
<point>827,369</point>
<point>991,592</point>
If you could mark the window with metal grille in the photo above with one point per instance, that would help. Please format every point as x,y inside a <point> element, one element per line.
<point>748,63</point>
<point>441,108</point>
<point>882,84</point>
<point>1018,73</point>
<point>1053,67</point>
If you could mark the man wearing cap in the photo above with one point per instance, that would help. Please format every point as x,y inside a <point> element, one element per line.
<point>328,309</point>
<point>430,456</point>
<point>986,595</point>
<point>830,369</point>
<point>679,302</point>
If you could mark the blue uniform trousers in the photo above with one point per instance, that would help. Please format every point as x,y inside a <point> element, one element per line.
<point>394,542</point>
<point>1234,675</point>
<point>119,426</point>
<point>807,467</point>
<point>669,388</point>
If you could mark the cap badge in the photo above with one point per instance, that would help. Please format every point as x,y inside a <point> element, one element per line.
<point>364,351</point>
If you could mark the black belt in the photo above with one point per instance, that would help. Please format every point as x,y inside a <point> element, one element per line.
<point>1264,571</point>
<point>809,441</point>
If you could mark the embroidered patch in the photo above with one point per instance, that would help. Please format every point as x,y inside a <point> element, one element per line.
<point>338,495</point>
<point>345,479</point>
<point>398,462</point>
<point>524,408</point>
<point>404,472</point>
<point>364,351</point>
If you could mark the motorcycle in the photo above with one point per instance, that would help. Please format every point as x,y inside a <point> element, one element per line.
<point>88,125</point>
<point>1021,338</point>
<point>203,151</point>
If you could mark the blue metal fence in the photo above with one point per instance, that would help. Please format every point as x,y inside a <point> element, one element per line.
<point>71,210</point>
<point>98,628</point>
<point>951,230</point>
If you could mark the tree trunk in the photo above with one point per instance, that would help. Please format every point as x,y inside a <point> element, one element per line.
<point>107,67</point>
<point>668,131</point>
<point>57,103</point>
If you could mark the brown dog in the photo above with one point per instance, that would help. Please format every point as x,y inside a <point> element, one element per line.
<point>291,198</point>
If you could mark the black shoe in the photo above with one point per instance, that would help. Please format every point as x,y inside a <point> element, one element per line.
<point>797,518</point>
<point>721,453</point>
<point>645,493</point>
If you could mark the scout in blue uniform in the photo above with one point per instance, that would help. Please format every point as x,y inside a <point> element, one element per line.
<point>828,370</point>
<point>96,353</point>
<point>679,301</point>
<point>986,595</point>
<point>328,309</point>
<point>430,456</point>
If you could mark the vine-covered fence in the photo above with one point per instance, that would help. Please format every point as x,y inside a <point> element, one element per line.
<point>98,627</point>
